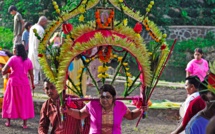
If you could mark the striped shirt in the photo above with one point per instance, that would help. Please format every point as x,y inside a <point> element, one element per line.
<point>50,114</point>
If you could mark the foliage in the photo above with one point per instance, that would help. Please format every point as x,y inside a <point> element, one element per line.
<point>6,37</point>
<point>168,12</point>
<point>210,2</point>
<point>179,12</point>
<point>178,58</point>
<point>31,10</point>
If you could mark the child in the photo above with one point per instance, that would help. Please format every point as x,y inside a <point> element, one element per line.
<point>70,124</point>
<point>193,104</point>
<point>25,35</point>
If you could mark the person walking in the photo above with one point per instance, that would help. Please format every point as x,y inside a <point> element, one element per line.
<point>198,124</point>
<point>33,46</point>
<point>198,66</point>
<point>106,115</point>
<point>18,101</point>
<point>25,35</point>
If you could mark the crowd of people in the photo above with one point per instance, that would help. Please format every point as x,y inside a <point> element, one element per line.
<point>104,116</point>
<point>199,105</point>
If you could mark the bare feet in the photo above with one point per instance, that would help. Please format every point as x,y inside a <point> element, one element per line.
<point>24,124</point>
<point>7,124</point>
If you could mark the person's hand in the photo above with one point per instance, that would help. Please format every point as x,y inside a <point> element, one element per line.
<point>33,87</point>
<point>137,102</point>
<point>70,103</point>
<point>173,132</point>
<point>144,108</point>
<point>9,71</point>
<point>64,109</point>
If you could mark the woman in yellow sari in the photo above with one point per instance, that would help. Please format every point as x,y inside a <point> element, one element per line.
<point>4,57</point>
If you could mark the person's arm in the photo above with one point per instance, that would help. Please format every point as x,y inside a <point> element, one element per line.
<point>210,127</point>
<point>44,122</point>
<point>23,27</point>
<point>76,113</point>
<point>86,127</point>
<point>32,78</point>
<point>19,17</point>
<point>5,69</point>
<point>24,38</point>
<point>131,115</point>
<point>188,115</point>
<point>179,129</point>
<point>187,73</point>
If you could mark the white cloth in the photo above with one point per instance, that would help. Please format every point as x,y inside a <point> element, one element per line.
<point>189,99</point>
<point>33,45</point>
<point>36,76</point>
<point>33,50</point>
<point>2,53</point>
<point>185,105</point>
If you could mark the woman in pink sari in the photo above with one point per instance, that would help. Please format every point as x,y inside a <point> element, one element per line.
<point>107,114</point>
<point>18,102</point>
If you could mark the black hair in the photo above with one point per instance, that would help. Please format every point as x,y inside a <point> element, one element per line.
<point>20,51</point>
<point>203,89</point>
<point>11,8</point>
<point>193,80</point>
<point>27,24</point>
<point>46,80</point>
<point>108,88</point>
<point>8,53</point>
<point>198,50</point>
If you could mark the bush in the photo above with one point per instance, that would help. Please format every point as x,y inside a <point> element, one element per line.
<point>6,38</point>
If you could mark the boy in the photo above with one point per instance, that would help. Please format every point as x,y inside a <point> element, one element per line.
<point>25,35</point>
<point>18,25</point>
<point>194,103</point>
<point>50,114</point>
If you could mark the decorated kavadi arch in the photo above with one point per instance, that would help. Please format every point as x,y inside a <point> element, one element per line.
<point>114,40</point>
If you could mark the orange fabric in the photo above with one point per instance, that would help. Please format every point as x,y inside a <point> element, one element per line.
<point>107,122</point>
<point>5,84</point>
<point>4,59</point>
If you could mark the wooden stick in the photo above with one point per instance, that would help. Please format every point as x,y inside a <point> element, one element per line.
<point>97,99</point>
<point>172,47</point>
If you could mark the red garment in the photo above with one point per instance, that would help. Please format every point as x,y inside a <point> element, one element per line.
<point>50,114</point>
<point>194,107</point>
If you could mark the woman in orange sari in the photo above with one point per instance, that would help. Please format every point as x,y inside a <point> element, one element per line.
<point>4,57</point>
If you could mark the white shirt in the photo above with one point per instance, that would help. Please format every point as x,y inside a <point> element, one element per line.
<point>185,105</point>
